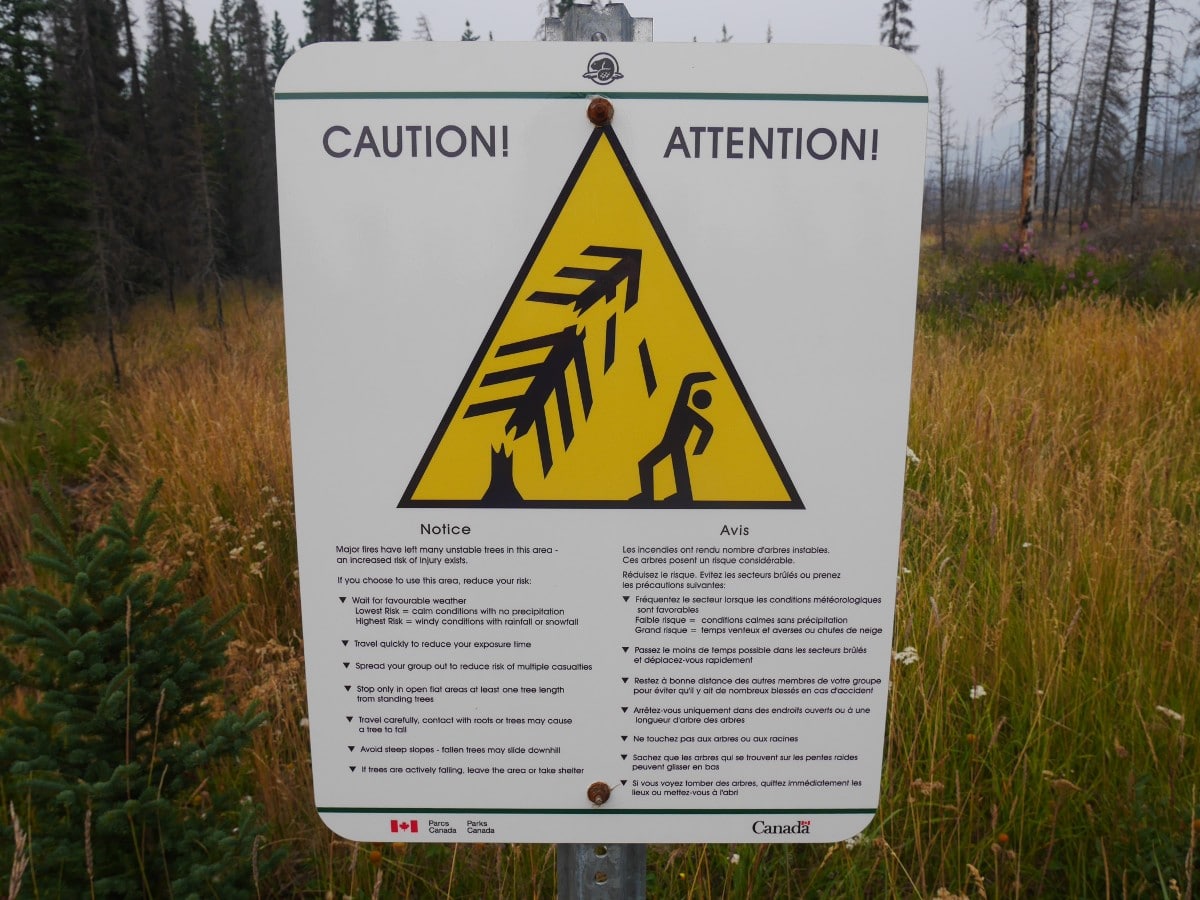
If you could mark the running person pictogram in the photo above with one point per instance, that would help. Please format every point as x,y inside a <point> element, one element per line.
<point>685,418</point>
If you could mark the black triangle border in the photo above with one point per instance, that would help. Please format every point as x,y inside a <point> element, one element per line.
<point>794,501</point>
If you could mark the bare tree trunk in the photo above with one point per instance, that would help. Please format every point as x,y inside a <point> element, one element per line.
<point>1172,128</point>
<point>1049,102</point>
<point>1100,110</point>
<point>1029,128</point>
<point>942,113</point>
<point>211,267</point>
<point>102,222</point>
<point>973,203</point>
<point>1139,146</point>
<point>1064,172</point>
<point>135,79</point>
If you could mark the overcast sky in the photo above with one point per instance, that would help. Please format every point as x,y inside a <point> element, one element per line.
<point>949,33</point>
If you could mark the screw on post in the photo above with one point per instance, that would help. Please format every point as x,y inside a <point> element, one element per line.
<point>587,871</point>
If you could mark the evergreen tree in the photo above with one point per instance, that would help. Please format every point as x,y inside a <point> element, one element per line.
<point>382,18</point>
<point>895,27</point>
<point>91,71</point>
<point>43,243</point>
<point>349,21</point>
<point>200,130</point>
<point>254,128</point>
<point>468,34</point>
<point>107,735</point>
<point>323,21</point>
<point>278,48</point>
<point>170,79</point>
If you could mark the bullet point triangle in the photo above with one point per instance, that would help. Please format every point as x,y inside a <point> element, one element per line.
<point>346,664</point>
<point>624,737</point>
<point>624,781</point>
<point>626,598</point>
<point>348,687</point>
<point>352,768</point>
<point>344,643</point>
<point>625,679</point>
<point>624,756</point>
<point>343,599</point>
<point>349,718</point>
<point>624,709</point>
<point>350,747</point>
<point>626,649</point>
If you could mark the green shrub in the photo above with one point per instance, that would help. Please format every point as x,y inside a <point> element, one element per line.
<point>109,725</point>
<point>50,429</point>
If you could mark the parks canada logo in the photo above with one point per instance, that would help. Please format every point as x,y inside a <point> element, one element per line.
<point>602,68</point>
<point>800,826</point>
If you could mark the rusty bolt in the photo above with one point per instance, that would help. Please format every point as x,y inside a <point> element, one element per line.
<point>598,792</point>
<point>600,111</point>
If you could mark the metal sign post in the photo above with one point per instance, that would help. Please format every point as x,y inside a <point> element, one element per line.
<point>601,870</point>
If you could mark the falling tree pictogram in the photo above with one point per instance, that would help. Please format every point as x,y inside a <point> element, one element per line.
<point>547,380</point>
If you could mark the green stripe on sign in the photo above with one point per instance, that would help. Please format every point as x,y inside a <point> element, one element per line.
<point>581,95</point>
<point>590,811</point>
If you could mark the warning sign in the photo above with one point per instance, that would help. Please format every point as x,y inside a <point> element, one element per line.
<point>602,381</point>
<point>599,434</point>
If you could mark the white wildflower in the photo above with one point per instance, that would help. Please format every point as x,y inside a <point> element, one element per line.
<point>734,859</point>
<point>912,457</point>
<point>236,552</point>
<point>256,569</point>
<point>907,656</point>
<point>978,692</point>
<point>260,546</point>
<point>304,723</point>
<point>1169,713</point>
<point>1026,545</point>
<point>852,842</point>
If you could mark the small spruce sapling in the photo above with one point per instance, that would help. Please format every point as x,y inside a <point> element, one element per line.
<point>107,736</point>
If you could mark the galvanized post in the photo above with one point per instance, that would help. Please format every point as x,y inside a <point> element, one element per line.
<point>594,871</point>
<point>600,871</point>
<point>599,22</point>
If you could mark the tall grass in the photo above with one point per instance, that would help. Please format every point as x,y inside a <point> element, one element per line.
<point>1042,737</point>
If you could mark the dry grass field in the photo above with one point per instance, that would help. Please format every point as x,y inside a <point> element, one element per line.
<point>1043,724</point>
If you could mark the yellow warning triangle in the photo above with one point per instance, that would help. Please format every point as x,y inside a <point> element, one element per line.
<point>601,382</point>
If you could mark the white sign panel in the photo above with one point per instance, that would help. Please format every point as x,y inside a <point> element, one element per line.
<point>599,433</point>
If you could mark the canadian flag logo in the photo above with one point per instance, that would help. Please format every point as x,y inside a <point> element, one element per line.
<point>409,826</point>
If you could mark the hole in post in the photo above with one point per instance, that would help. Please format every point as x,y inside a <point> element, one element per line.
<point>601,878</point>
<point>601,850</point>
